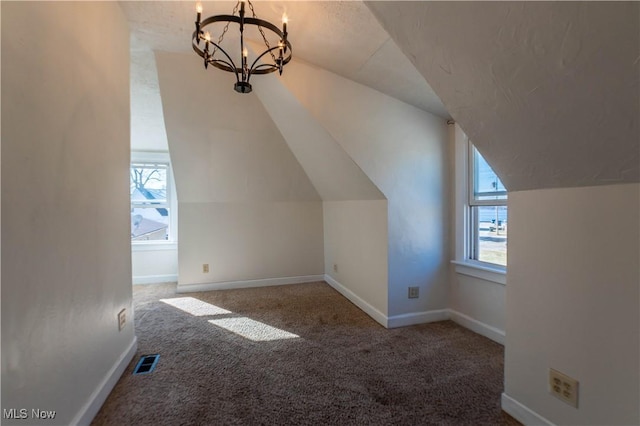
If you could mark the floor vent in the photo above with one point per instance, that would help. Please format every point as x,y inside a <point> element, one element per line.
<point>146,364</point>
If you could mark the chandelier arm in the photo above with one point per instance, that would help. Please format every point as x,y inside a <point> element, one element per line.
<point>229,66</point>
<point>253,65</point>
<point>226,67</point>
<point>270,68</point>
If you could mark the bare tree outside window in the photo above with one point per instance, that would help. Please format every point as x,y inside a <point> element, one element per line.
<point>149,202</point>
<point>140,177</point>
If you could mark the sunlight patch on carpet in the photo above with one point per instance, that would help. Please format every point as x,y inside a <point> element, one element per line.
<point>195,307</point>
<point>253,330</point>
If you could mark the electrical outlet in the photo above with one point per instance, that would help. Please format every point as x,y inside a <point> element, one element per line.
<point>335,267</point>
<point>563,387</point>
<point>122,319</point>
<point>414,292</point>
<point>205,268</point>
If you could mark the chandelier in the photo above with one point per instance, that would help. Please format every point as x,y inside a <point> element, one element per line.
<point>270,60</point>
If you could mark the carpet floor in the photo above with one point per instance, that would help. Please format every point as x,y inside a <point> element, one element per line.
<point>299,355</point>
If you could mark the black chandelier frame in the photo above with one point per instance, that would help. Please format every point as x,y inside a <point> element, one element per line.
<point>244,72</point>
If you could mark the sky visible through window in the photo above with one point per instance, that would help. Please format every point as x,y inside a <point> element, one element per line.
<point>488,186</point>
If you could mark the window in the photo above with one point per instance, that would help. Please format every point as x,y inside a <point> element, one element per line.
<point>487,212</point>
<point>150,201</point>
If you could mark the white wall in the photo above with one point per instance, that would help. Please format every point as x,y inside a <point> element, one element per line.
<point>65,206</point>
<point>572,301</point>
<point>246,207</point>
<point>478,304</point>
<point>154,263</point>
<point>355,241</point>
<point>404,151</point>
<point>249,241</point>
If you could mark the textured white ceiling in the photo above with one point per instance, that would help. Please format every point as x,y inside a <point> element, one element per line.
<point>548,91</point>
<point>341,36</point>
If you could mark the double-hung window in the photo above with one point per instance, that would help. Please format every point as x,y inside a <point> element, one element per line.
<point>150,201</point>
<point>487,212</point>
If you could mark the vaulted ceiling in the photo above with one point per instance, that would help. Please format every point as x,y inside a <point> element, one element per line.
<point>548,91</point>
<point>341,36</point>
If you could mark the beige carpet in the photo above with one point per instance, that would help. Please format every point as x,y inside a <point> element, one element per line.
<point>299,354</point>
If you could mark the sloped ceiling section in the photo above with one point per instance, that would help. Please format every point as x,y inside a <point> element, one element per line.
<point>334,174</point>
<point>547,91</point>
<point>224,147</point>
<point>147,122</point>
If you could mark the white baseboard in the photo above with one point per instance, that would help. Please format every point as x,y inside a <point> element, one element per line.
<point>476,326</point>
<point>522,413</point>
<point>229,285</point>
<point>100,394</point>
<point>154,279</point>
<point>358,301</point>
<point>414,318</point>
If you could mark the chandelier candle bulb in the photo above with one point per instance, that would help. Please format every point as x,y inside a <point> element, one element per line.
<point>285,21</point>
<point>207,38</point>
<point>245,71</point>
<point>198,17</point>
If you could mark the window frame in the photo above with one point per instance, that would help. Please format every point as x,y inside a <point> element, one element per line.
<point>463,178</point>
<point>170,203</point>
<point>472,252</point>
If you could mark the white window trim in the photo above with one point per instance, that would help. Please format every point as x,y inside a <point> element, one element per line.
<point>462,263</point>
<point>153,245</point>
<point>171,244</point>
<point>482,270</point>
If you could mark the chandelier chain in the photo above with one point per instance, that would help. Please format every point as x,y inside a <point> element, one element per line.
<point>266,42</point>
<point>225,29</point>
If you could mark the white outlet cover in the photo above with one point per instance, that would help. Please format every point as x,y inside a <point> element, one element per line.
<point>563,387</point>
<point>122,319</point>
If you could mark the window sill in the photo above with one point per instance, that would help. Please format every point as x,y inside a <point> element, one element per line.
<point>154,245</point>
<point>479,270</point>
